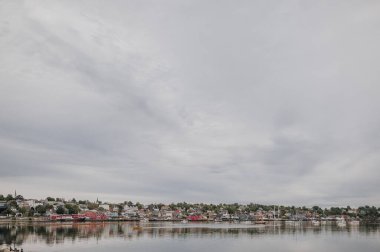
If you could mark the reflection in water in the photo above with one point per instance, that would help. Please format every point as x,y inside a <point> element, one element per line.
<point>58,233</point>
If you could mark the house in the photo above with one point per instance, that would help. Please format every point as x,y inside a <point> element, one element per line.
<point>3,206</point>
<point>211,215</point>
<point>167,214</point>
<point>83,207</point>
<point>105,206</point>
<point>23,204</point>
<point>111,214</point>
<point>177,214</point>
<point>93,215</point>
<point>32,203</point>
<point>130,211</point>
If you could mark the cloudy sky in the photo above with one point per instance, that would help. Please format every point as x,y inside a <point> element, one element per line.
<point>274,102</point>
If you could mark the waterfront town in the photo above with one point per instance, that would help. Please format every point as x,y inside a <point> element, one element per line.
<point>16,207</point>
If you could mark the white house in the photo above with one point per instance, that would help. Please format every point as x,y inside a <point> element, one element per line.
<point>105,206</point>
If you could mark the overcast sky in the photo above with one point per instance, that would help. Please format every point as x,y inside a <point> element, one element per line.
<point>274,102</point>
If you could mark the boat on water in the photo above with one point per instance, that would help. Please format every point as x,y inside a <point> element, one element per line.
<point>315,222</point>
<point>184,221</point>
<point>144,220</point>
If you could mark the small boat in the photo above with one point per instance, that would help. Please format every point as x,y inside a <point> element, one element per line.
<point>184,221</point>
<point>315,222</point>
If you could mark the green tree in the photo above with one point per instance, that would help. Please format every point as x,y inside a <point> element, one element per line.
<point>31,212</point>
<point>60,210</point>
<point>23,210</point>
<point>19,197</point>
<point>41,209</point>
<point>72,209</point>
<point>13,204</point>
<point>8,211</point>
<point>50,199</point>
<point>92,206</point>
<point>335,211</point>
<point>9,197</point>
<point>139,205</point>
<point>49,207</point>
<point>120,208</point>
<point>2,198</point>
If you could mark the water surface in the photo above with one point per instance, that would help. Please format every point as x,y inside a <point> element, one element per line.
<point>170,237</point>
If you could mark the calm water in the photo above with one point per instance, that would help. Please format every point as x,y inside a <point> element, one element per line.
<point>188,237</point>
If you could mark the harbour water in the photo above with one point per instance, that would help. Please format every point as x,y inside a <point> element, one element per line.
<point>188,237</point>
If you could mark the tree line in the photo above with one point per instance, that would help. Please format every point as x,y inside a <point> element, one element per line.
<point>72,207</point>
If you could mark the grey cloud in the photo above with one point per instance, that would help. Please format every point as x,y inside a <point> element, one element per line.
<point>220,101</point>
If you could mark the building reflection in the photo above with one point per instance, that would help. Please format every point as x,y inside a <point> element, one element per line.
<point>58,233</point>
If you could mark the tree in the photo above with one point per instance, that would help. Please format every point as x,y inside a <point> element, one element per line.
<point>2,198</point>
<point>9,197</point>
<point>13,204</point>
<point>40,209</point>
<point>72,209</point>
<point>19,197</point>
<point>31,212</point>
<point>139,205</point>
<point>120,209</point>
<point>60,210</point>
<point>335,211</point>
<point>50,199</point>
<point>92,206</point>
<point>23,210</point>
<point>49,207</point>
<point>9,211</point>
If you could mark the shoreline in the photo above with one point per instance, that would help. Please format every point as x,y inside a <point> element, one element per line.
<point>48,221</point>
